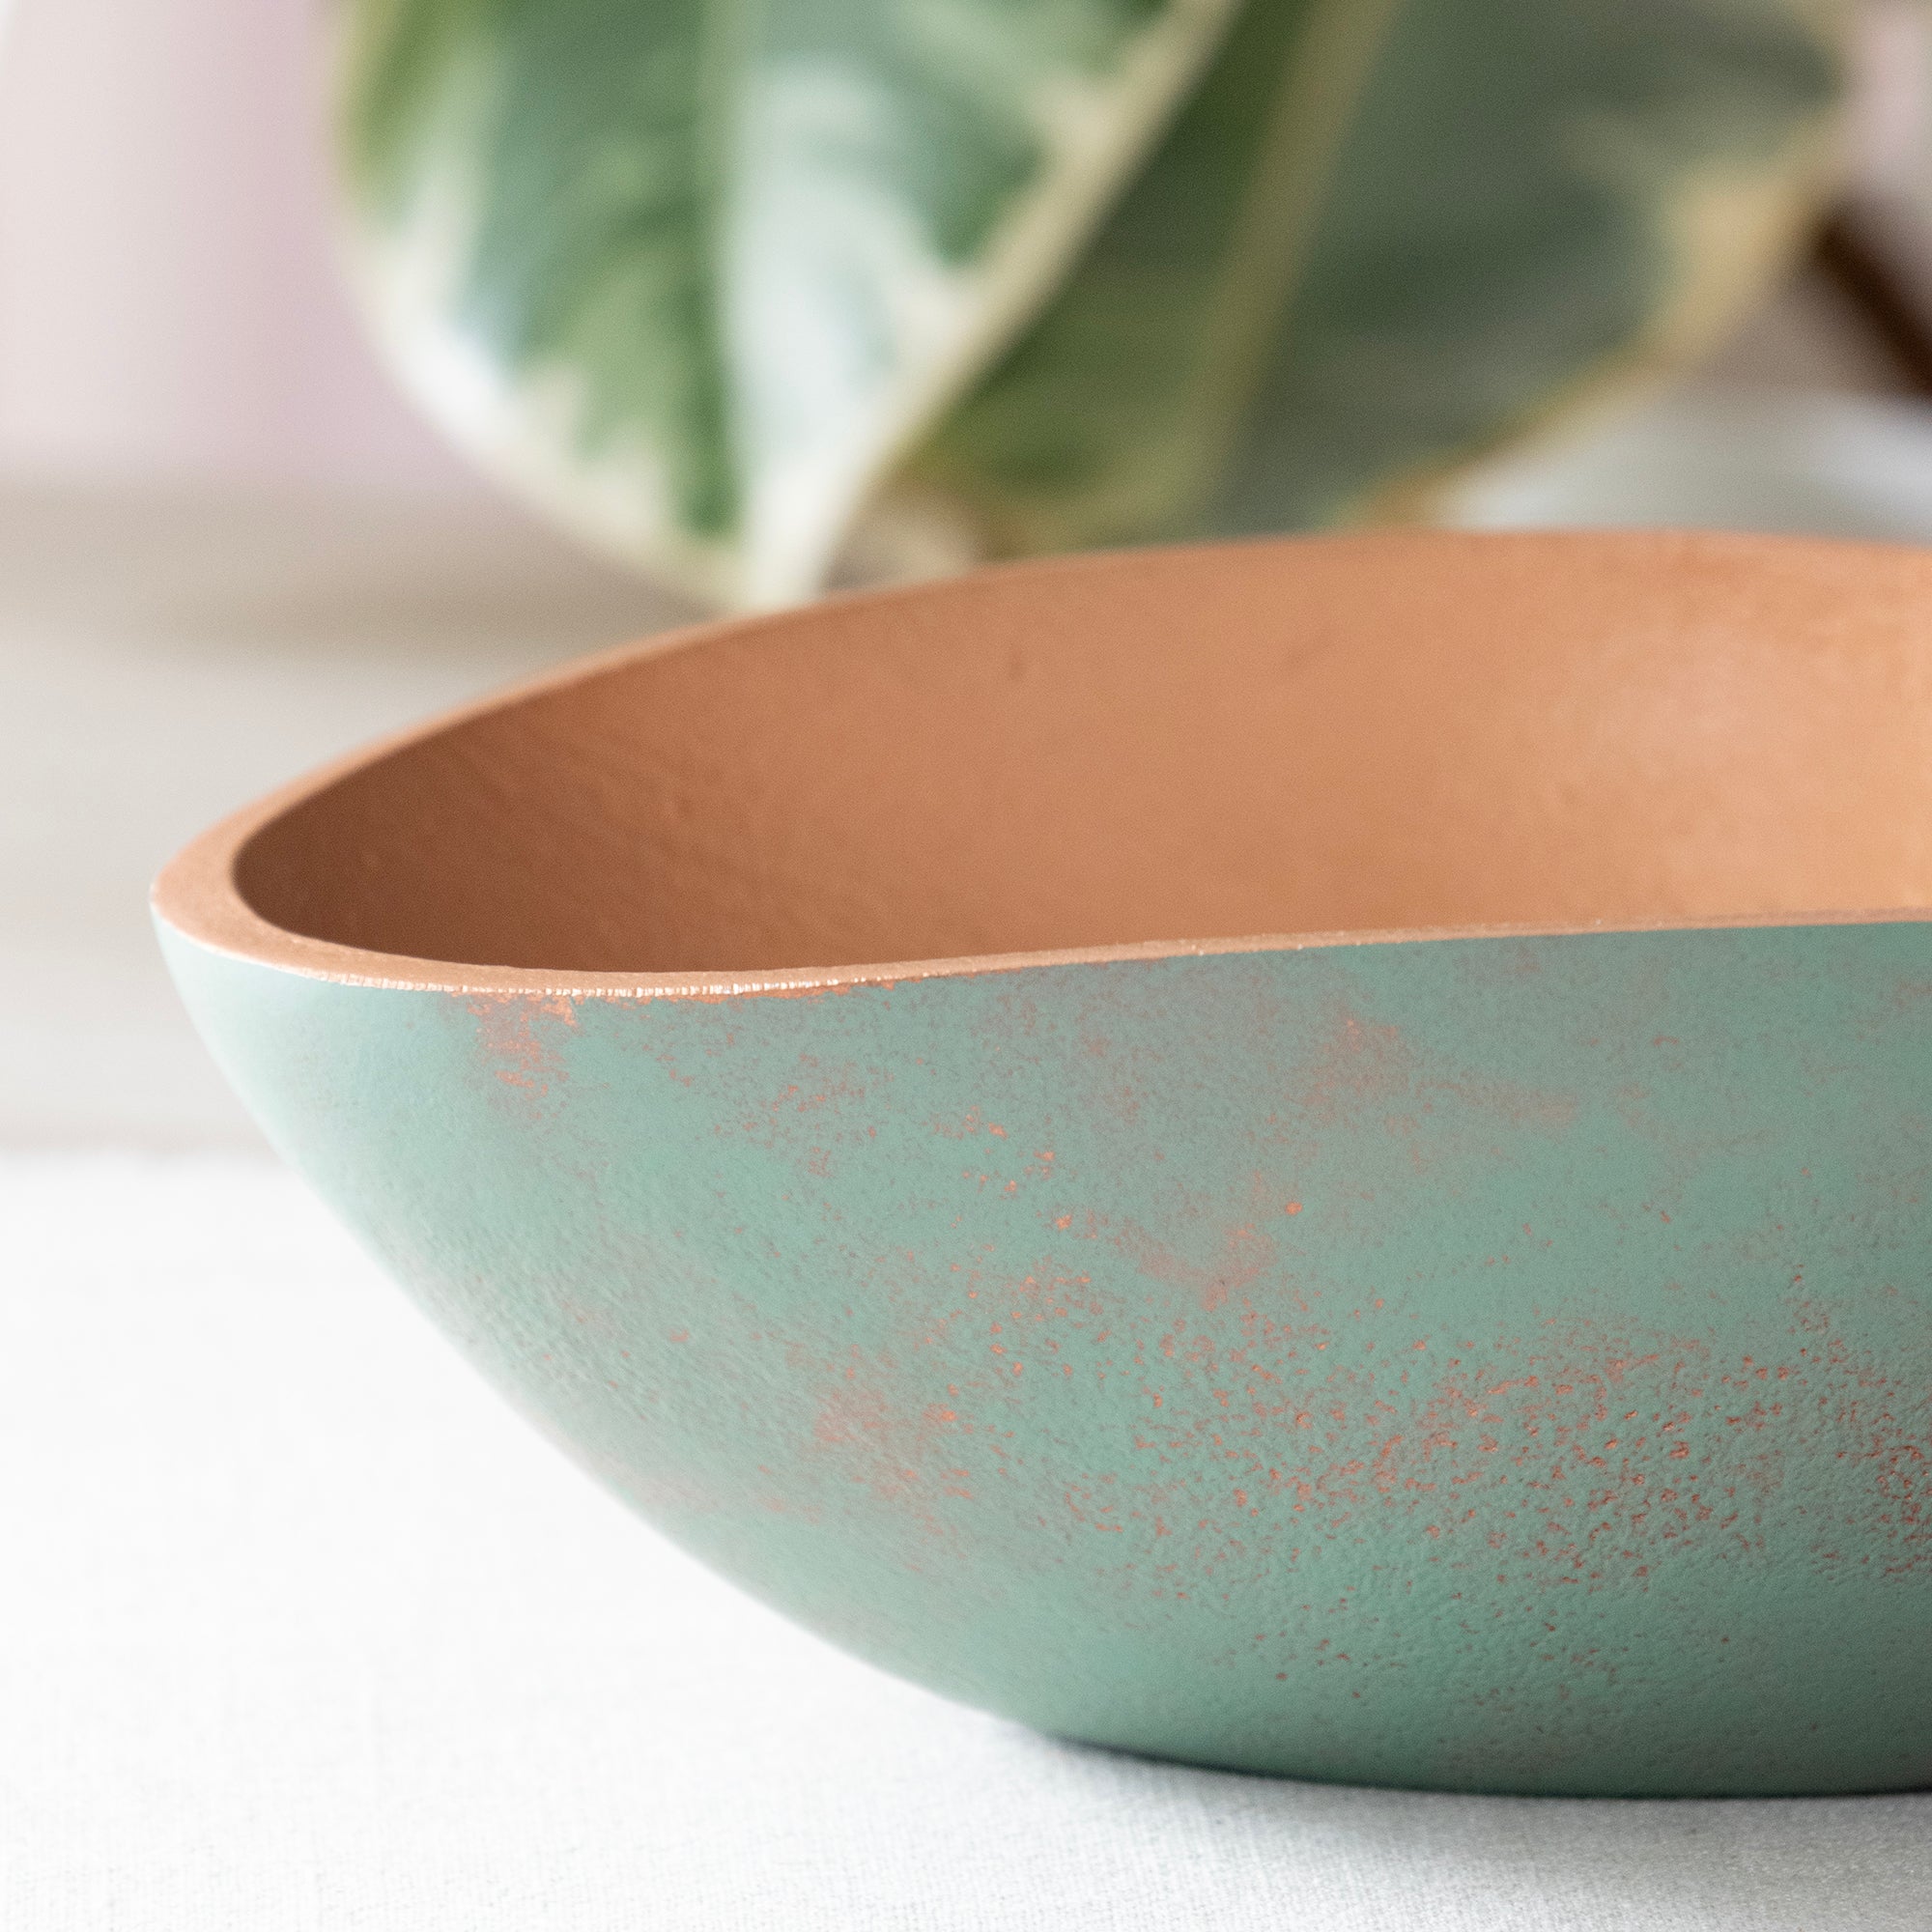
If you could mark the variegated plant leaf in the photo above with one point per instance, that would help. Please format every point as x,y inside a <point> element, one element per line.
<point>693,274</point>
<point>709,280</point>
<point>1286,322</point>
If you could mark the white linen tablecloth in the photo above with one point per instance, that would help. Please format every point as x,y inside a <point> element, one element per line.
<point>300,1629</point>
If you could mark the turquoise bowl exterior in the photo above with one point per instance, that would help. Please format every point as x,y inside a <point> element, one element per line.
<point>1500,1363</point>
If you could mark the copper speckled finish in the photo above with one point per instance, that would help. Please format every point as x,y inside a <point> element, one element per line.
<point>1449,1343</point>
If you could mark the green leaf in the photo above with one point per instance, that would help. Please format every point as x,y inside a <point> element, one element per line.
<point>693,274</point>
<point>717,283</point>
<point>1371,251</point>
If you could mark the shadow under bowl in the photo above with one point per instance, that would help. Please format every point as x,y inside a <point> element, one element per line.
<point>1312,1156</point>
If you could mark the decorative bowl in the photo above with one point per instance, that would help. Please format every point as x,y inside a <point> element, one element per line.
<point>1313,1156</point>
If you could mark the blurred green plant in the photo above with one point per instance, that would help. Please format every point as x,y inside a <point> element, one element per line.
<point>735,290</point>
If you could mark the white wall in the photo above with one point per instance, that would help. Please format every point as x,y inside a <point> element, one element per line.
<point>168,304</point>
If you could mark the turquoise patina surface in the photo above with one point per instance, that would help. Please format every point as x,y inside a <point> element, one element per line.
<point>1493,1362</point>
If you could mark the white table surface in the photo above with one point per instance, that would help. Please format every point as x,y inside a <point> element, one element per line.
<point>303,1629</point>
<point>300,1628</point>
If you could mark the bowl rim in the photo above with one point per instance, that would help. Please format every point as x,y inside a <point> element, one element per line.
<point>195,894</point>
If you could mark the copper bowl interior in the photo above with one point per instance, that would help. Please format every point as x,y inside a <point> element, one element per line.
<point>1392,733</point>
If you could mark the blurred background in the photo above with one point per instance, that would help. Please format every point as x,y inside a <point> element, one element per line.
<point>230,548</point>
